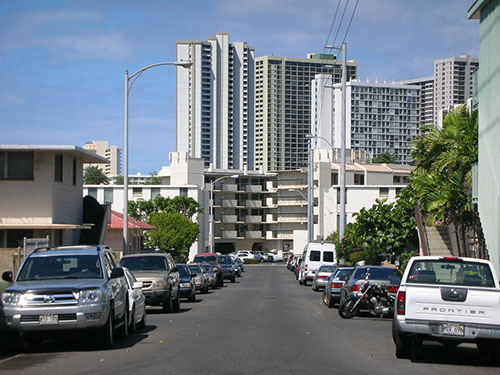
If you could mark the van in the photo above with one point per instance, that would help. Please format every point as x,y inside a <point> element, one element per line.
<point>315,255</point>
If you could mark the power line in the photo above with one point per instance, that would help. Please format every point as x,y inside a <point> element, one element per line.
<point>331,26</point>
<point>350,21</point>
<point>340,23</point>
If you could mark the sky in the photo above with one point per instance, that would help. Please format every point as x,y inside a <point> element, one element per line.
<point>62,62</point>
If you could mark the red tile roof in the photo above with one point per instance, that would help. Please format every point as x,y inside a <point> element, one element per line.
<point>117,222</point>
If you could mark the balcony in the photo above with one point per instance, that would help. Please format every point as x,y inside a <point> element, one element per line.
<point>253,204</point>
<point>253,219</point>
<point>254,234</point>
<point>229,218</point>
<point>291,202</point>
<point>254,188</point>
<point>229,203</point>
<point>298,218</point>
<point>229,234</point>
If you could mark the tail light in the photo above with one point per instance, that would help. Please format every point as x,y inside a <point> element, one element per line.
<point>322,277</point>
<point>401,303</point>
<point>305,268</point>
<point>337,285</point>
<point>393,289</point>
<point>355,288</point>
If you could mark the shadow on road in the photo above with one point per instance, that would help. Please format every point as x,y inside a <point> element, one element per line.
<point>462,355</point>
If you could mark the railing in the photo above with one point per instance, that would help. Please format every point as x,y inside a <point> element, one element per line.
<point>254,234</point>
<point>229,218</point>
<point>253,204</point>
<point>253,219</point>
<point>254,188</point>
<point>229,234</point>
<point>229,203</point>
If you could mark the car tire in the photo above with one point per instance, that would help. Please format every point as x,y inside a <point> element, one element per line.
<point>167,305</point>
<point>233,279</point>
<point>107,332</point>
<point>304,282</point>
<point>132,327</point>
<point>327,300</point>
<point>192,297</point>
<point>123,329</point>
<point>403,344</point>
<point>143,321</point>
<point>176,304</point>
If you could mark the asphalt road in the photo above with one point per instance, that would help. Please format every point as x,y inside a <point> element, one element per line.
<point>265,323</point>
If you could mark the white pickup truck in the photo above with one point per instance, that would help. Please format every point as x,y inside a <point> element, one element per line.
<point>450,300</point>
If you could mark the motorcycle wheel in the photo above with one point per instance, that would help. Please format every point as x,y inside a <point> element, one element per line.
<point>348,310</point>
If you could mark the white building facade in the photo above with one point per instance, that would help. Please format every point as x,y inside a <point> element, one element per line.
<point>215,108</point>
<point>110,152</point>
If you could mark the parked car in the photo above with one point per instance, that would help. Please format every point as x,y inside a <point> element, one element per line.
<point>214,261</point>
<point>228,268</point>
<point>239,265</point>
<point>187,287</point>
<point>315,255</point>
<point>387,276</point>
<point>64,289</point>
<point>297,269</point>
<point>136,302</point>
<point>274,257</point>
<point>159,276</point>
<point>295,262</point>
<point>331,294</point>
<point>211,275</point>
<point>450,300</point>
<point>321,277</point>
<point>200,277</point>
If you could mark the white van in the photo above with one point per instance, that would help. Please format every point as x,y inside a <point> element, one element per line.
<point>315,255</point>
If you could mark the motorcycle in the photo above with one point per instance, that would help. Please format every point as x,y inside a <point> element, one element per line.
<point>377,298</point>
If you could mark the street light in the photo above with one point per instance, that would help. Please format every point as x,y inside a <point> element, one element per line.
<point>211,212</point>
<point>133,77</point>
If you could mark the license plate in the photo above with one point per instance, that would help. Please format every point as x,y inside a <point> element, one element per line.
<point>453,329</point>
<point>49,319</point>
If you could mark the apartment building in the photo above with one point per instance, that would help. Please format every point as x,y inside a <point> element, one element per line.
<point>215,101</point>
<point>380,117</point>
<point>112,153</point>
<point>426,98</point>
<point>283,107</point>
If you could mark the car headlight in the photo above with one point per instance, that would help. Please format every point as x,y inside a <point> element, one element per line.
<point>186,285</point>
<point>11,298</point>
<point>215,269</point>
<point>90,296</point>
<point>160,284</point>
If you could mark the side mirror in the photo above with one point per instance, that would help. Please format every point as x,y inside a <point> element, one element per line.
<point>116,272</point>
<point>137,285</point>
<point>175,269</point>
<point>7,276</point>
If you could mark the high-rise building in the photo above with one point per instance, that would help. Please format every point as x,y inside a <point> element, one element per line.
<point>112,153</point>
<point>380,117</point>
<point>452,83</point>
<point>426,98</point>
<point>283,107</point>
<point>215,108</point>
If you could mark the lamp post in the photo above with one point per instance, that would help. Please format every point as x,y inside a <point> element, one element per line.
<point>310,214</point>
<point>129,82</point>
<point>211,212</point>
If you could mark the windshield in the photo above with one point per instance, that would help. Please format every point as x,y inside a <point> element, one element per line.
<point>224,259</point>
<point>207,268</point>
<point>195,268</point>
<point>327,269</point>
<point>145,263</point>
<point>376,273</point>
<point>183,270</point>
<point>205,258</point>
<point>451,273</point>
<point>341,274</point>
<point>61,267</point>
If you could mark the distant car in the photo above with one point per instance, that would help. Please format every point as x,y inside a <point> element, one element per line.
<point>275,258</point>
<point>321,277</point>
<point>211,275</point>
<point>228,268</point>
<point>245,254</point>
<point>331,294</point>
<point>201,278</point>
<point>214,260</point>
<point>136,302</point>
<point>187,287</point>
<point>388,276</point>
<point>159,276</point>
<point>315,255</point>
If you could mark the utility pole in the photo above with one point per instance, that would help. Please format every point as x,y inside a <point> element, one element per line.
<point>342,140</point>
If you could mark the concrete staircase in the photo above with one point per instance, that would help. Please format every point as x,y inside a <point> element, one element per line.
<point>439,241</point>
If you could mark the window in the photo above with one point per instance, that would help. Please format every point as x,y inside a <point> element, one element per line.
<point>383,192</point>
<point>108,195</point>
<point>74,171</point>
<point>137,192</point>
<point>328,256</point>
<point>183,192</point>
<point>13,238</point>
<point>359,179</point>
<point>396,179</point>
<point>58,168</point>
<point>16,165</point>
<point>155,192</point>
<point>335,178</point>
<point>314,256</point>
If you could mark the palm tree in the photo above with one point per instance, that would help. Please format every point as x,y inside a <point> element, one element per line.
<point>94,176</point>
<point>386,157</point>
<point>443,174</point>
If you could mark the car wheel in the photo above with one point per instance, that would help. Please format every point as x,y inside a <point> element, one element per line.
<point>167,305</point>
<point>176,305</point>
<point>233,279</point>
<point>192,297</point>
<point>142,323</point>
<point>107,332</point>
<point>132,326</point>
<point>304,282</point>
<point>123,329</point>
<point>327,300</point>
<point>9,342</point>
<point>403,344</point>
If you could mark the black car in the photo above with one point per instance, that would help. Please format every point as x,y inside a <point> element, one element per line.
<point>227,266</point>
<point>187,287</point>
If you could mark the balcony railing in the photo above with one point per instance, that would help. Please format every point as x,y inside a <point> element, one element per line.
<point>254,188</point>
<point>254,219</point>
<point>229,218</point>
<point>229,234</point>
<point>253,204</point>
<point>229,203</point>
<point>254,234</point>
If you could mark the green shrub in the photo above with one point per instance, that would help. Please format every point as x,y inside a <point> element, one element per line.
<point>251,261</point>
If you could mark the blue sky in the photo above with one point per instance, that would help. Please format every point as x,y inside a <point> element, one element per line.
<point>62,62</point>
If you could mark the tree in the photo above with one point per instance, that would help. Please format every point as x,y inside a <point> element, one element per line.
<point>442,178</point>
<point>386,157</point>
<point>142,209</point>
<point>119,180</point>
<point>94,176</point>
<point>155,179</point>
<point>175,232</point>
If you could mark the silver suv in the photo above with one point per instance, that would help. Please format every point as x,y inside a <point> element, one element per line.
<point>65,288</point>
